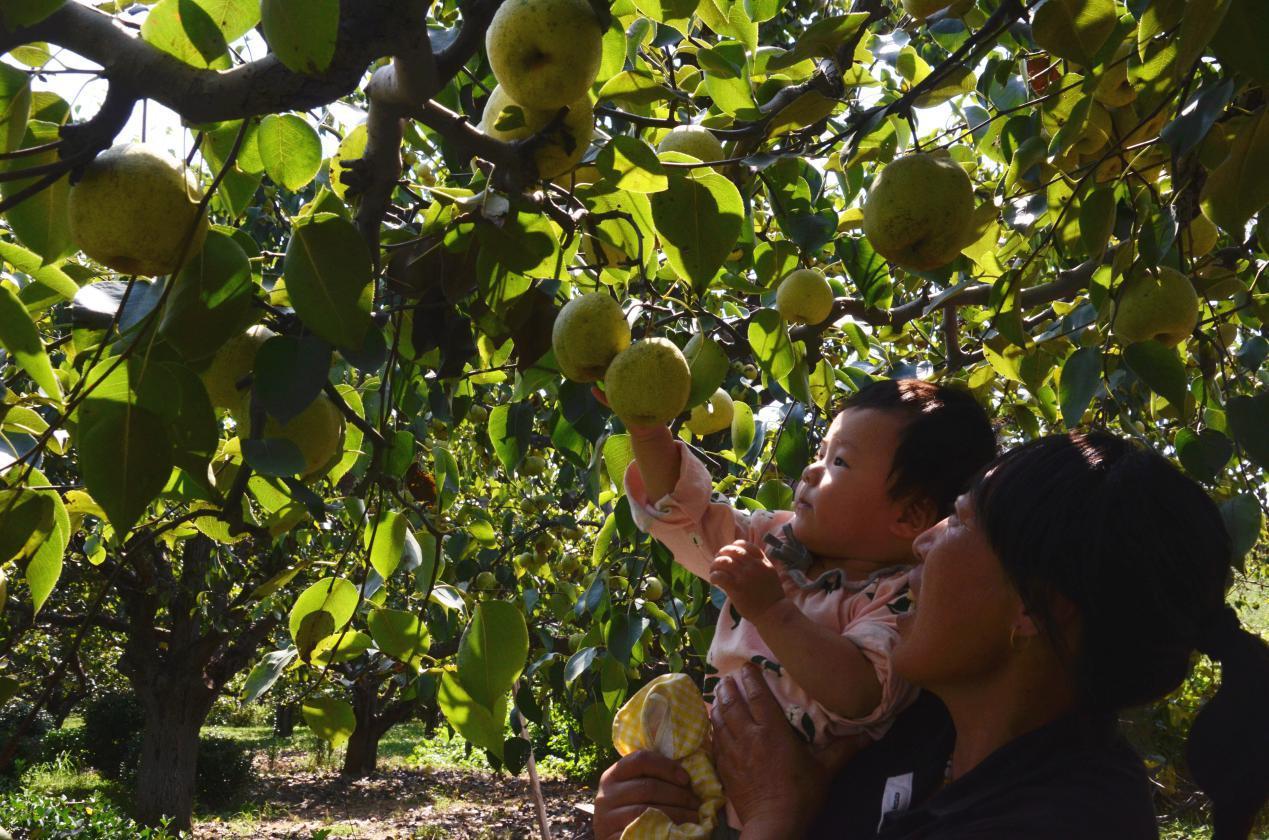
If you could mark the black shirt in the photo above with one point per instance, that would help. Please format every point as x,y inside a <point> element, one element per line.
<point>1074,778</point>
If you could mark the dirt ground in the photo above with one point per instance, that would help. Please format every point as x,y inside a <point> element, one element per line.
<point>296,802</point>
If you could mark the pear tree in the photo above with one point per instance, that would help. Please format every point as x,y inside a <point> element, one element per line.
<point>329,389</point>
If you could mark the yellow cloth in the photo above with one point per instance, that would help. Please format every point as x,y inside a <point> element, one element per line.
<point>668,715</point>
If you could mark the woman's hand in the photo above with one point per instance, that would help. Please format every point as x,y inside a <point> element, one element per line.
<point>779,796</point>
<point>637,782</point>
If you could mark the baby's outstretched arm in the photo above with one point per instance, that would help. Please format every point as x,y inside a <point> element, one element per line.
<point>827,665</point>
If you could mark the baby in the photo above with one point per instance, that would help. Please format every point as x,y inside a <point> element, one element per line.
<point>813,593</point>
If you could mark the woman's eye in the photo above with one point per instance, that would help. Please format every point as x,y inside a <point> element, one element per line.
<point>838,462</point>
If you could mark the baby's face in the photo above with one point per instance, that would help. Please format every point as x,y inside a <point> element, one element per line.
<point>841,507</point>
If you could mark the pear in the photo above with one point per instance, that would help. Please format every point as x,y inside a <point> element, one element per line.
<point>695,140</point>
<point>133,210</point>
<point>546,53</point>
<point>919,211</point>
<point>922,9</point>
<point>713,415</point>
<point>561,149</point>
<point>318,431</point>
<point>231,364</point>
<point>804,297</point>
<point>589,331</point>
<point>648,383</point>
<point>1160,305</point>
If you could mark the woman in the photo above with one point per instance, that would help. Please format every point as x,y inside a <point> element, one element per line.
<point>1076,578</point>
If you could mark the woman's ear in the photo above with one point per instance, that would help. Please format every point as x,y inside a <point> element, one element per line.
<point>916,515</point>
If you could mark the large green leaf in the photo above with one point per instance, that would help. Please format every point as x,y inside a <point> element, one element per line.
<point>388,532</point>
<point>40,221</point>
<point>234,18</point>
<point>334,595</point>
<point>184,29</point>
<point>327,272</point>
<point>302,33</point>
<point>399,634</point>
<point>742,428</point>
<point>15,13</point>
<point>1249,424</point>
<point>770,343</point>
<point>266,673</point>
<point>509,428</point>
<point>492,651</point>
<point>1240,41</point>
<point>331,719</point>
<point>19,336</point>
<point>1081,377</point>
<point>290,149</point>
<point>15,106</point>
<point>709,366</point>
<point>1239,187</point>
<point>211,299</point>
<point>26,519</point>
<point>49,283</point>
<point>698,220</point>
<point>1074,29</point>
<point>482,725</point>
<point>1160,368</point>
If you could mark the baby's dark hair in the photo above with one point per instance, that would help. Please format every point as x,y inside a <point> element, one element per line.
<point>947,440</point>
<point>1142,553</point>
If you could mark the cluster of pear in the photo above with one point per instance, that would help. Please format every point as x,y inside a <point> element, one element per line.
<point>545,55</point>
<point>317,431</point>
<point>134,210</point>
<point>919,211</point>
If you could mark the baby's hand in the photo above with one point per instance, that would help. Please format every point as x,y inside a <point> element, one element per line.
<point>752,583</point>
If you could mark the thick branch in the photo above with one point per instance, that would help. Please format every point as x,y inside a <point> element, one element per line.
<point>369,29</point>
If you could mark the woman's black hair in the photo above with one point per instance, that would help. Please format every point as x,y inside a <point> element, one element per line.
<point>1142,553</point>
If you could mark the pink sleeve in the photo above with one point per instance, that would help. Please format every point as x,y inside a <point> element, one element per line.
<point>687,522</point>
<point>872,624</point>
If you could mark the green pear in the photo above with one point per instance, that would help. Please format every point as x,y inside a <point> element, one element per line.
<point>561,149</point>
<point>919,211</point>
<point>588,333</point>
<point>318,432</point>
<point>231,364</point>
<point>922,9</point>
<point>695,140</point>
<point>1160,305</point>
<point>804,297</point>
<point>648,383</point>
<point>133,211</point>
<point>546,53</point>
<point>713,415</point>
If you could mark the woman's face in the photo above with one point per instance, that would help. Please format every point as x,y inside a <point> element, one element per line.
<point>964,607</point>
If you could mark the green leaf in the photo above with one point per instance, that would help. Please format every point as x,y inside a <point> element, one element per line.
<point>1239,187</point>
<point>509,428</point>
<point>775,495</point>
<point>675,13</point>
<point>302,33</point>
<point>618,453</point>
<point>708,364</point>
<point>314,627</point>
<point>266,673</point>
<point>17,13</point>
<point>742,428</point>
<point>290,149</point>
<point>124,450</point>
<point>234,18</point>
<point>45,567</point>
<point>770,343</point>
<point>631,164</point>
<point>351,148</point>
<point>19,336</point>
<point>636,87</point>
<point>1160,368</point>
<point>1242,517</point>
<point>481,725</point>
<point>698,220</point>
<point>1204,454</point>
<point>1097,220</point>
<point>492,651</point>
<point>40,222</point>
<point>49,284</point>
<point>821,39</point>
<point>334,595</point>
<point>327,273</point>
<point>389,541</point>
<point>211,299</point>
<point>1249,425</point>
<point>1074,29</point>
<point>399,634</point>
<point>15,106</point>
<point>331,719</point>
<point>26,519</point>
<point>341,647</point>
<point>1240,41</point>
<point>184,29</point>
<point>1081,378</point>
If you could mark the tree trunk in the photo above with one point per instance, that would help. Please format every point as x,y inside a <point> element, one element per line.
<point>169,756</point>
<point>362,754</point>
<point>284,720</point>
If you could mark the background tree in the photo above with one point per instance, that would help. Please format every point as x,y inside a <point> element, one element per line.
<point>332,437</point>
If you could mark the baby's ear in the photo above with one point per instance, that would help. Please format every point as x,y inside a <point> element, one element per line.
<point>916,514</point>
